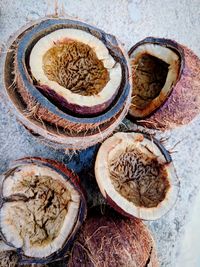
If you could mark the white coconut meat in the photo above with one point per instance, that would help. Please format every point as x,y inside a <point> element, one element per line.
<point>155,70</point>
<point>41,211</point>
<point>132,171</point>
<point>69,51</point>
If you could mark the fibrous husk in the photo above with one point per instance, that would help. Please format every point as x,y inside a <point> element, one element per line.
<point>111,240</point>
<point>39,114</point>
<point>183,103</point>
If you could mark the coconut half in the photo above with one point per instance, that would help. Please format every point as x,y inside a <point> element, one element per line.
<point>66,81</point>
<point>75,69</point>
<point>136,175</point>
<point>166,83</point>
<point>111,240</point>
<point>42,209</point>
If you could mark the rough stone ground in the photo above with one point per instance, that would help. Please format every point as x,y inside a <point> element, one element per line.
<point>130,21</point>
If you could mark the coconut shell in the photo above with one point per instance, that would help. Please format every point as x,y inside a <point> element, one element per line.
<point>183,104</point>
<point>115,198</point>
<point>40,115</point>
<point>111,240</point>
<point>73,179</point>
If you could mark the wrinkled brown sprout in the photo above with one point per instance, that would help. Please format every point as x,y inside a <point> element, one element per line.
<point>75,66</point>
<point>138,178</point>
<point>8,259</point>
<point>149,75</point>
<point>40,210</point>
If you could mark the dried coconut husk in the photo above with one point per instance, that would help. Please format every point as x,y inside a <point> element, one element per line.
<point>111,240</point>
<point>182,105</point>
<point>39,114</point>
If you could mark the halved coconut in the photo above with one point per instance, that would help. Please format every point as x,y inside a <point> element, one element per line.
<point>67,82</point>
<point>166,83</point>
<point>42,209</point>
<point>136,175</point>
<point>75,69</point>
<point>112,240</point>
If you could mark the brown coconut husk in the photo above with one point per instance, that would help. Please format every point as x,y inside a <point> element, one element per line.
<point>112,240</point>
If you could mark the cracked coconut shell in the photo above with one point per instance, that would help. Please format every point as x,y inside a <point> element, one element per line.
<point>42,208</point>
<point>112,240</point>
<point>136,175</point>
<point>166,83</point>
<point>67,82</point>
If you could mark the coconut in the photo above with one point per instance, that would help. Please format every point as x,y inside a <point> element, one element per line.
<point>67,82</point>
<point>166,83</point>
<point>42,207</point>
<point>136,175</point>
<point>112,240</point>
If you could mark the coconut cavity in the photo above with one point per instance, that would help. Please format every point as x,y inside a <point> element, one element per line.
<point>149,76</point>
<point>75,66</point>
<point>139,178</point>
<point>155,70</point>
<point>35,214</point>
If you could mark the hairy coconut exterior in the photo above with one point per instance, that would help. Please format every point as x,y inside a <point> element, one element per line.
<point>112,240</point>
<point>38,113</point>
<point>73,179</point>
<point>183,104</point>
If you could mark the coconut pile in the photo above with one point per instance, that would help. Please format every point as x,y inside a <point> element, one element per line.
<point>70,85</point>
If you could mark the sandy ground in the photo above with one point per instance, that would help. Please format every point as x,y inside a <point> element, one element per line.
<point>131,21</point>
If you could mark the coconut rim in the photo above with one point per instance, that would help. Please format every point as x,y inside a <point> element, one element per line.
<point>115,199</point>
<point>48,41</point>
<point>64,172</point>
<point>108,40</point>
<point>170,44</point>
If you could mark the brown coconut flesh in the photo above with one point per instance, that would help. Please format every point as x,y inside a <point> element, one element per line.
<point>39,210</point>
<point>111,240</point>
<point>78,67</point>
<point>155,71</point>
<point>134,176</point>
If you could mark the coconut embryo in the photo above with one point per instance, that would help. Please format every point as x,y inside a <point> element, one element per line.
<point>75,66</point>
<point>139,178</point>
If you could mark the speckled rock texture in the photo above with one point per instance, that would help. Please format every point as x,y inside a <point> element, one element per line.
<point>130,21</point>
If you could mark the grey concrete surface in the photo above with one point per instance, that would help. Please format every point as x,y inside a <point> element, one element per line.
<point>130,21</point>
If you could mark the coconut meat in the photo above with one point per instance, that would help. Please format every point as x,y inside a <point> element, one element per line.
<point>155,70</point>
<point>77,66</point>
<point>40,211</point>
<point>132,171</point>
